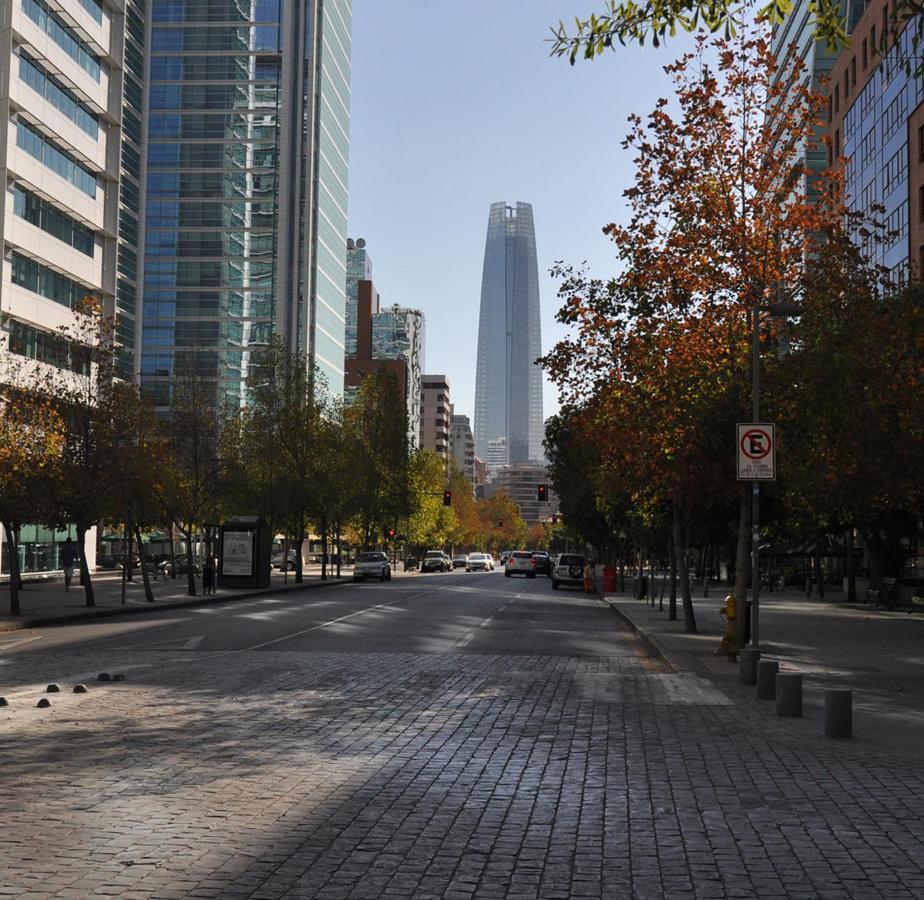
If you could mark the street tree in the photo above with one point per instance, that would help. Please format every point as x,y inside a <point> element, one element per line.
<point>622,22</point>
<point>194,487</point>
<point>377,422</point>
<point>31,444</point>
<point>722,215</point>
<point>430,523</point>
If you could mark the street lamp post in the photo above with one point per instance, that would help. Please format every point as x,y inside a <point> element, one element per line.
<point>776,310</point>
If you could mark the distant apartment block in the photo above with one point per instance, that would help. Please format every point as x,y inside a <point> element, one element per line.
<point>462,442</point>
<point>520,482</point>
<point>435,415</point>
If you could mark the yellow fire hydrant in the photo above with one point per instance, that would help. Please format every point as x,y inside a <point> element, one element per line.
<point>729,643</point>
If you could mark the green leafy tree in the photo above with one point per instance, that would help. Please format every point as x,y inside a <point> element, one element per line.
<point>622,22</point>
<point>377,423</point>
<point>430,523</point>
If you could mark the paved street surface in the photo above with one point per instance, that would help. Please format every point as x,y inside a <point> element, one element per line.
<point>437,736</point>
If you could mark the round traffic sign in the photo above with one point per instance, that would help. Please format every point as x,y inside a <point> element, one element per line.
<point>756,443</point>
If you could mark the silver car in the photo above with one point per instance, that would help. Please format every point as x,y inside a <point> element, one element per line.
<point>372,564</point>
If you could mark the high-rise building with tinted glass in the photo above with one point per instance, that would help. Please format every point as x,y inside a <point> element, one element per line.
<point>508,382</point>
<point>358,268</point>
<point>246,204</point>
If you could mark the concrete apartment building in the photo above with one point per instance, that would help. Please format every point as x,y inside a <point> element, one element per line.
<point>462,442</point>
<point>435,415</point>
<point>876,122</point>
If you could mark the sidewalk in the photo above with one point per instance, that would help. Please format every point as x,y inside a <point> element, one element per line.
<point>876,653</point>
<point>47,603</point>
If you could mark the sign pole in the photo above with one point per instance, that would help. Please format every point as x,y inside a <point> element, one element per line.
<point>755,487</point>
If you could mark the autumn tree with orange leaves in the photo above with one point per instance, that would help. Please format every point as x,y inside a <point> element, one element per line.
<point>720,223</point>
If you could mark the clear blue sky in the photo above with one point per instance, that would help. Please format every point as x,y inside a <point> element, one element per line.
<point>456,105</point>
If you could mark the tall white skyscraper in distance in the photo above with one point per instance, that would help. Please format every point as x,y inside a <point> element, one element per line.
<point>508,381</point>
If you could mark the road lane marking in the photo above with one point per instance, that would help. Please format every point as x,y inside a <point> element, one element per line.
<point>462,642</point>
<point>327,624</point>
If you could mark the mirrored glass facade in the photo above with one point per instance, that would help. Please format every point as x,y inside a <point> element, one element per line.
<point>398,333</point>
<point>246,188</point>
<point>508,383</point>
<point>358,268</point>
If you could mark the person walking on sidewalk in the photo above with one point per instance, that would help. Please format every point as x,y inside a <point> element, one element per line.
<point>69,556</point>
<point>208,574</point>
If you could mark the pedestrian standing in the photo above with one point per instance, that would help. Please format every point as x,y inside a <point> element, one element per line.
<point>69,556</point>
<point>208,574</point>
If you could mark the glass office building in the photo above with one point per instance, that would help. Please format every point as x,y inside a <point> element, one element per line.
<point>508,383</point>
<point>398,333</point>
<point>246,204</point>
<point>358,268</point>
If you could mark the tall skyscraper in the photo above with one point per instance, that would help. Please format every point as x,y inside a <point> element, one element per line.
<point>508,383</point>
<point>246,207</point>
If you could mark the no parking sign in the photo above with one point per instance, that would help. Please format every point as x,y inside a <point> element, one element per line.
<point>756,452</point>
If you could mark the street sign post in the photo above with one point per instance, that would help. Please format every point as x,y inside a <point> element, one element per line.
<point>756,452</point>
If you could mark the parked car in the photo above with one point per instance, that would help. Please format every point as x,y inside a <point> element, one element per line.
<point>543,562</point>
<point>504,555</point>
<point>436,561</point>
<point>490,561</point>
<point>372,564</point>
<point>291,562</point>
<point>459,561</point>
<point>568,569</point>
<point>520,562</point>
<point>478,562</point>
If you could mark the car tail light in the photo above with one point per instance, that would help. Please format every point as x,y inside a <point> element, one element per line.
<point>532,562</point>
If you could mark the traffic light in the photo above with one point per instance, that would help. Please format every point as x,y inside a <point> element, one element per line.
<point>447,498</point>
<point>500,523</point>
<point>391,532</point>
<point>554,520</point>
<point>542,492</point>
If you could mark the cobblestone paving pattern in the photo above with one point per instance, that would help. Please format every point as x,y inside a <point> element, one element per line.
<point>274,774</point>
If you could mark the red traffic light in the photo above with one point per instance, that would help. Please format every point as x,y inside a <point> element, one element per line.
<point>542,492</point>
<point>500,523</point>
<point>447,498</point>
<point>391,532</point>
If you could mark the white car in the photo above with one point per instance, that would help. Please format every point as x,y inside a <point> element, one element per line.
<point>568,568</point>
<point>478,562</point>
<point>520,562</point>
<point>372,564</point>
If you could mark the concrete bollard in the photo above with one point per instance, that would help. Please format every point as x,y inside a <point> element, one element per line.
<point>747,665</point>
<point>838,713</point>
<point>788,694</point>
<point>766,679</point>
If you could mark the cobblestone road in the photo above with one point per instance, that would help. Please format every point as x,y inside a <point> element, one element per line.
<point>271,774</point>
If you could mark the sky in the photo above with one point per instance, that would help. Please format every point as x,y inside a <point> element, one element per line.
<point>456,105</point>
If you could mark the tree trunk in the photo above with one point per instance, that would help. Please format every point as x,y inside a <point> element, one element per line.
<point>190,570</point>
<point>126,560</point>
<point>683,567</point>
<point>12,549</point>
<point>742,560</point>
<point>819,575</point>
<point>339,552</point>
<point>145,575</point>
<point>84,568</point>
<point>851,568</point>
<point>323,551</point>
<point>299,544</point>
<point>672,602</point>
<point>707,556</point>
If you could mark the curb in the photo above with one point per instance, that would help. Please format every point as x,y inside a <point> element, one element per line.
<point>93,612</point>
<point>655,647</point>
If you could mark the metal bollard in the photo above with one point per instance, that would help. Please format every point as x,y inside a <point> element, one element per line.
<point>747,665</point>
<point>788,694</point>
<point>766,679</point>
<point>838,713</point>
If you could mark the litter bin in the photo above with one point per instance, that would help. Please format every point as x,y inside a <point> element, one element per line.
<point>609,579</point>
